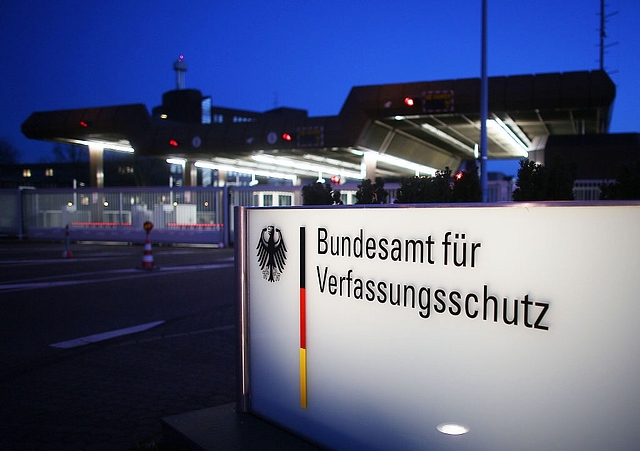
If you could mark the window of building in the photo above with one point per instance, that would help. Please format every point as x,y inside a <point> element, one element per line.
<point>241,119</point>
<point>285,199</point>
<point>48,172</point>
<point>26,173</point>
<point>206,110</point>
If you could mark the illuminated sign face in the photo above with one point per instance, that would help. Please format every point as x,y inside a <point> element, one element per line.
<point>391,328</point>
<point>311,136</point>
<point>438,102</point>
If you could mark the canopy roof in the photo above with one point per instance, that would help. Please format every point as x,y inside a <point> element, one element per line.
<point>430,125</point>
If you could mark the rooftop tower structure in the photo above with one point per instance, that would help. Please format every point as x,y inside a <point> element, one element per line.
<point>181,68</point>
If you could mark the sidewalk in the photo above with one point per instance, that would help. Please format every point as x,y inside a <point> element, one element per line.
<point>222,428</point>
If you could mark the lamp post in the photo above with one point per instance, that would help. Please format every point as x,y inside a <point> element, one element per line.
<point>484,106</point>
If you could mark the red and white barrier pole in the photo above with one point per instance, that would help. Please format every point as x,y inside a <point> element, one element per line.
<point>66,253</point>
<point>147,256</point>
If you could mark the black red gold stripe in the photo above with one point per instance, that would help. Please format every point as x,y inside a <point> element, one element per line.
<point>303,323</point>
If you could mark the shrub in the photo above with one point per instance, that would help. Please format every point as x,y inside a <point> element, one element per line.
<point>425,189</point>
<point>537,182</point>
<point>626,187</point>
<point>320,194</point>
<point>372,193</point>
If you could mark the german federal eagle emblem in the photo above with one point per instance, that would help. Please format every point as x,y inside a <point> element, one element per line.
<point>272,253</point>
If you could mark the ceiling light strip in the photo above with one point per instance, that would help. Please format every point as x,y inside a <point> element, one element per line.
<point>448,138</point>
<point>405,164</point>
<point>121,146</point>
<point>496,124</point>
<point>305,166</point>
<point>261,173</point>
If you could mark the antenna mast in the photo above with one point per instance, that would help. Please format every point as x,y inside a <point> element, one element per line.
<point>603,32</point>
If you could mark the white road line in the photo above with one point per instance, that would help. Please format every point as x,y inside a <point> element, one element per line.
<point>104,336</point>
<point>49,261</point>
<point>121,274</point>
<point>179,335</point>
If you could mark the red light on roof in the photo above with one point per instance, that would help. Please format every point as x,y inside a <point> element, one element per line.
<point>286,137</point>
<point>173,143</point>
<point>83,124</point>
<point>408,101</point>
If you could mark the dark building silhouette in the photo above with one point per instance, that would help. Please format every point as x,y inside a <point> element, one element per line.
<point>391,130</point>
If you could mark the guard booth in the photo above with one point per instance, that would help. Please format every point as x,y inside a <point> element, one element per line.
<point>467,327</point>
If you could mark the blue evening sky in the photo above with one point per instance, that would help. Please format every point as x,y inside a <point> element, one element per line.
<point>299,53</point>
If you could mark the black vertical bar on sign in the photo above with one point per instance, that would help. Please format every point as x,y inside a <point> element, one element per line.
<point>302,257</point>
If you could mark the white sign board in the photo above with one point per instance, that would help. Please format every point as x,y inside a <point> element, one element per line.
<point>370,327</point>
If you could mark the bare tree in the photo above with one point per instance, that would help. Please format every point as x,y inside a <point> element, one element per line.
<point>67,153</point>
<point>8,153</point>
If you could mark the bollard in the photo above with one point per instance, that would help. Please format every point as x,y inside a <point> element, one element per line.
<point>147,255</point>
<point>66,253</point>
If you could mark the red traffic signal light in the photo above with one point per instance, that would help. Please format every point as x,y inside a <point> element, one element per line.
<point>83,124</point>
<point>409,101</point>
<point>173,143</point>
<point>286,137</point>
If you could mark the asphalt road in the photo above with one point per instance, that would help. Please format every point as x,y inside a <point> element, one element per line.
<point>75,374</point>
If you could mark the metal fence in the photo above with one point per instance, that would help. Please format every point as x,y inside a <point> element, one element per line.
<point>201,215</point>
<point>194,215</point>
<point>588,189</point>
<point>10,214</point>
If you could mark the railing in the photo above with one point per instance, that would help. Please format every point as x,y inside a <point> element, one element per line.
<point>201,215</point>
<point>588,189</point>
<point>10,214</point>
<point>190,215</point>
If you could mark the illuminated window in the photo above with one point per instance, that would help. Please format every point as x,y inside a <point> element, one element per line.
<point>48,172</point>
<point>218,118</point>
<point>206,110</point>
<point>240,119</point>
<point>285,199</point>
<point>26,173</point>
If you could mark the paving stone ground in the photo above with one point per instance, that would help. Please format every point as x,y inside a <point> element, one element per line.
<point>112,395</point>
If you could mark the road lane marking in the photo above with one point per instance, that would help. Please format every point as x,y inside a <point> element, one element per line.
<point>179,335</point>
<point>82,341</point>
<point>120,274</point>
<point>23,262</point>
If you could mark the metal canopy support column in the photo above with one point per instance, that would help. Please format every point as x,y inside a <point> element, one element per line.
<point>370,163</point>
<point>190,175</point>
<point>96,166</point>
<point>222,178</point>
